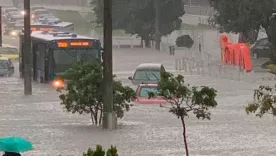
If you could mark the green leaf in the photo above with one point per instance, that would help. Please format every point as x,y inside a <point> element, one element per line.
<point>137,16</point>
<point>185,98</point>
<point>265,102</point>
<point>84,91</point>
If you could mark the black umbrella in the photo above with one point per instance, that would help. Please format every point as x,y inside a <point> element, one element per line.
<point>184,41</point>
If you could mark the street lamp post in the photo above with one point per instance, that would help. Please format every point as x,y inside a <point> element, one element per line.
<point>109,117</point>
<point>27,54</point>
<point>157,25</point>
<point>1,26</point>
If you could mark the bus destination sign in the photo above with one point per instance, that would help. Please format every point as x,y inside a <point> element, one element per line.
<point>72,43</point>
<point>42,29</point>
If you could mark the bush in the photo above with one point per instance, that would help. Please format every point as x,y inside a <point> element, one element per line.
<point>271,68</point>
<point>112,151</point>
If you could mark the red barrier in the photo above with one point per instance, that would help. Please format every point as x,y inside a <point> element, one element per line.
<point>237,54</point>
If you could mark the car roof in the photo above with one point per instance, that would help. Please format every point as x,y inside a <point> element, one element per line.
<point>7,46</point>
<point>58,24</point>
<point>3,58</point>
<point>17,16</point>
<point>35,7</point>
<point>11,8</point>
<point>148,85</point>
<point>37,10</point>
<point>149,65</point>
<point>49,36</point>
<point>263,39</point>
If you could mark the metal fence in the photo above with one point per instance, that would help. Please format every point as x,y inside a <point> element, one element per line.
<point>209,66</point>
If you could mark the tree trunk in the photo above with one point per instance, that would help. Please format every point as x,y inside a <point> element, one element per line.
<point>157,42</point>
<point>141,42</point>
<point>92,118</point>
<point>184,136</point>
<point>271,31</point>
<point>15,3</point>
<point>248,36</point>
<point>147,42</point>
<point>252,36</point>
<point>273,52</point>
<point>96,115</point>
<point>101,116</point>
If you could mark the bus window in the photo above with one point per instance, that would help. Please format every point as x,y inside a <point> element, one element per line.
<point>64,58</point>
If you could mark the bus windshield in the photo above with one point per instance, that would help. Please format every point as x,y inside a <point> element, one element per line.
<point>64,58</point>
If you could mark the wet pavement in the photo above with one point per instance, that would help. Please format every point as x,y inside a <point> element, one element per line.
<point>146,129</point>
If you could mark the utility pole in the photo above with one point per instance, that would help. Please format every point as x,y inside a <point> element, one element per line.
<point>27,56</point>
<point>157,25</point>
<point>1,41</point>
<point>109,117</point>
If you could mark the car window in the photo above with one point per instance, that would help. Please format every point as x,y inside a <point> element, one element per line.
<point>265,42</point>
<point>10,63</point>
<point>147,75</point>
<point>8,50</point>
<point>3,64</point>
<point>144,92</point>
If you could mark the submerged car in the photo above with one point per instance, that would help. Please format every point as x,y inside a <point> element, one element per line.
<point>142,95</point>
<point>9,52</point>
<point>261,49</point>
<point>6,67</point>
<point>147,73</point>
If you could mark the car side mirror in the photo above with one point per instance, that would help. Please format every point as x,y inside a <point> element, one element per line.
<point>130,78</point>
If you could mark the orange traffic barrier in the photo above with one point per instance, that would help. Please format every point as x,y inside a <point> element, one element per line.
<point>237,54</point>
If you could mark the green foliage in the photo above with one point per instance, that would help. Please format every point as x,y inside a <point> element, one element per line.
<point>247,16</point>
<point>101,152</point>
<point>264,102</point>
<point>271,68</point>
<point>83,93</point>
<point>241,15</point>
<point>185,99</point>
<point>112,151</point>
<point>138,16</point>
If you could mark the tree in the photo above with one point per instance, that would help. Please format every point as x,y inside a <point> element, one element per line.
<point>138,16</point>
<point>185,100</point>
<point>247,17</point>
<point>16,3</point>
<point>264,102</point>
<point>100,152</point>
<point>83,93</point>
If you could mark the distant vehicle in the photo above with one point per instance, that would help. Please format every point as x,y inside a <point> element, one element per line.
<point>142,94</point>
<point>147,73</point>
<point>13,29</point>
<point>6,67</point>
<point>7,16</point>
<point>15,18</point>
<point>11,9</point>
<point>44,17</point>
<point>55,52</point>
<point>9,52</point>
<point>37,12</point>
<point>53,25</point>
<point>41,11</point>
<point>4,8</point>
<point>261,49</point>
<point>36,8</point>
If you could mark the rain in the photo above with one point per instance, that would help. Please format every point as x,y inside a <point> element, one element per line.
<point>146,129</point>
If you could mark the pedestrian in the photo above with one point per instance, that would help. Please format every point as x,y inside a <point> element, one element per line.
<point>11,154</point>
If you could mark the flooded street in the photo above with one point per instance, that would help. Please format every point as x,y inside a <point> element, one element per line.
<point>146,129</point>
